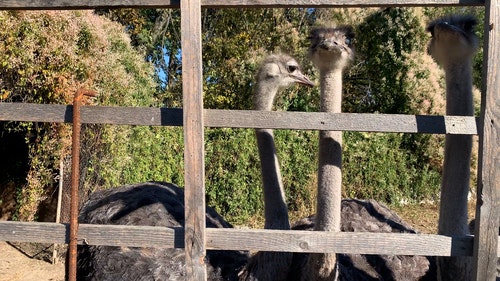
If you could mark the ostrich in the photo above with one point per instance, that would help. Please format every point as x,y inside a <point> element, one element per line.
<point>148,204</point>
<point>331,50</point>
<point>162,204</point>
<point>453,45</point>
<point>277,72</point>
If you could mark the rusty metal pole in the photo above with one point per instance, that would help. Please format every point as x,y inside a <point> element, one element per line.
<point>75,177</point>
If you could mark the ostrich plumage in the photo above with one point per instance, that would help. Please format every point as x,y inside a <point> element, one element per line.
<point>147,204</point>
<point>369,216</point>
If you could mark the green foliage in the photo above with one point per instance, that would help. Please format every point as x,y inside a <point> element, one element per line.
<point>380,167</point>
<point>234,185</point>
<point>297,152</point>
<point>85,39</point>
<point>130,154</point>
<point>385,42</point>
<point>232,173</point>
<point>46,56</point>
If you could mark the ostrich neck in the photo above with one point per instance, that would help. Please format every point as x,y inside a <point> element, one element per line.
<point>457,152</point>
<point>459,88</point>
<point>275,208</point>
<point>270,265</point>
<point>323,266</point>
<point>453,219</point>
<point>331,90</point>
<point>330,156</point>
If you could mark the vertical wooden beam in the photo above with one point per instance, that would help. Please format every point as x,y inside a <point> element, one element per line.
<point>192,90</point>
<point>488,203</point>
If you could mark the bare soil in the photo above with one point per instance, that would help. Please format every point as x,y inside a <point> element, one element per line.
<point>28,262</point>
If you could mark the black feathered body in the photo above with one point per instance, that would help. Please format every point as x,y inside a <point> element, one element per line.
<point>369,216</point>
<point>147,204</point>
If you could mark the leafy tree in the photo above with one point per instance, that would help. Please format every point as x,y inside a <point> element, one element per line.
<point>385,42</point>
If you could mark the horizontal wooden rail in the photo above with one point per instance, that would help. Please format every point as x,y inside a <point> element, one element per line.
<point>147,116</point>
<point>244,239</point>
<point>92,4</point>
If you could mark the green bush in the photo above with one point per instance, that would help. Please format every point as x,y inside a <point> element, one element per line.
<point>234,184</point>
<point>46,56</point>
<point>378,166</point>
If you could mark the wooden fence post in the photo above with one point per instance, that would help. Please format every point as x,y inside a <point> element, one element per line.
<point>194,162</point>
<point>488,185</point>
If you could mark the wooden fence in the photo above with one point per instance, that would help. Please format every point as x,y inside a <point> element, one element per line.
<point>483,247</point>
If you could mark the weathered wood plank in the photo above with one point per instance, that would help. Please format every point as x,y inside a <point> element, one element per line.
<point>59,113</point>
<point>243,239</point>
<point>363,122</point>
<point>42,232</point>
<point>488,189</point>
<point>339,242</point>
<point>84,4</point>
<point>341,121</point>
<point>146,236</point>
<point>92,4</point>
<point>194,152</point>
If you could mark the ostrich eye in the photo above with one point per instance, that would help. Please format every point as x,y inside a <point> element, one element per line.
<point>348,41</point>
<point>292,68</point>
<point>431,30</point>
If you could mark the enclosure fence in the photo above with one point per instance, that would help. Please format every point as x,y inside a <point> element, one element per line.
<point>194,237</point>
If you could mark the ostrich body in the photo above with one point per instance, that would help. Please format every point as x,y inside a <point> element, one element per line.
<point>147,204</point>
<point>162,204</point>
<point>331,51</point>
<point>368,216</point>
<point>277,72</point>
<point>453,45</point>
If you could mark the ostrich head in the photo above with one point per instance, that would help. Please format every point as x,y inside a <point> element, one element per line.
<point>331,47</point>
<point>276,72</point>
<point>453,39</point>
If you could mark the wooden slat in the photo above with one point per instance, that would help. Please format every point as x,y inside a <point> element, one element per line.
<point>341,121</point>
<point>92,4</point>
<point>243,239</point>
<point>41,232</point>
<point>194,152</point>
<point>146,236</point>
<point>488,189</point>
<point>339,242</point>
<point>245,119</point>
<point>58,113</point>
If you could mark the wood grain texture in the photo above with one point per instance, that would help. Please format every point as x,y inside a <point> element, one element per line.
<point>362,122</point>
<point>92,4</point>
<point>243,239</point>
<point>194,151</point>
<point>488,195</point>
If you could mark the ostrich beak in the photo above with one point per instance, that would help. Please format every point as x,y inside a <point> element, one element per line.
<point>302,79</point>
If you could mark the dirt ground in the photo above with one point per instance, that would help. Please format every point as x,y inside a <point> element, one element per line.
<point>22,262</point>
